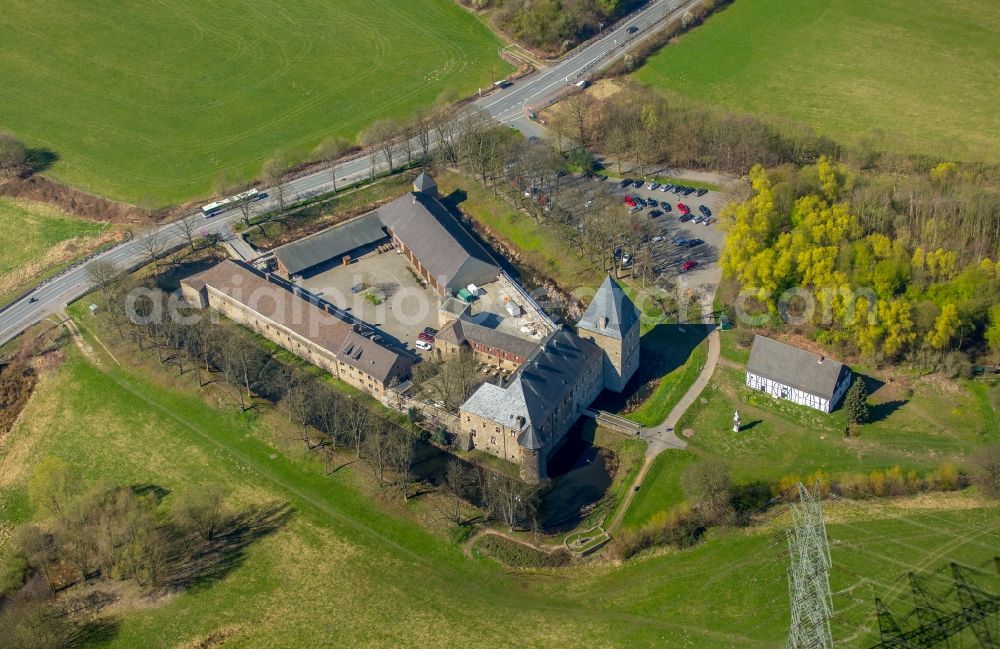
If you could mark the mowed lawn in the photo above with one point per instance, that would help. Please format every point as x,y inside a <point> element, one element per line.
<point>923,73</point>
<point>153,100</point>
<point>343,572</point>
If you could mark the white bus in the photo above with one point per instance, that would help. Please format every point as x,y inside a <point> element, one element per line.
<point>222,205</point>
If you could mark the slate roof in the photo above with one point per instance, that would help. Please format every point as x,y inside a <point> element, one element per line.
<point>331,243</point>
<point>794,367</point>
<point>299,315</point>
<point>423,182</point>
<point>439,241</point>
<point>460,330</point>
<point>612,303</point>
<point>538,387</point>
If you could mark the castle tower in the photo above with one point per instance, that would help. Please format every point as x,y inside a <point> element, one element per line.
<point>611,321</point>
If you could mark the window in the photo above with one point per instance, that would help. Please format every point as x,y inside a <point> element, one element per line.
<point>493,439</point>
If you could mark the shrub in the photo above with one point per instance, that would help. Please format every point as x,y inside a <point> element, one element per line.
<point>986,470</point>
<point>519,555</point>
<point>946,477</point>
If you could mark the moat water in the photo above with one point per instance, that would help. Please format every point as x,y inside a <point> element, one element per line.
<point>580,478</point>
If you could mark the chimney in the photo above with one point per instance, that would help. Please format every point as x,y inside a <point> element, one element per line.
<point>604,322</point>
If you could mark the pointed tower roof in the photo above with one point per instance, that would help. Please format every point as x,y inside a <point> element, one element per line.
<point>611,313</point>
<point>424,182</point>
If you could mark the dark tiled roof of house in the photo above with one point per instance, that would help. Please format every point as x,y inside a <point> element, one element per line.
<point>439,241</point>
<point>331,243</point>
<point>794,367</point>
<point>423,182</point>
<point>539,386</point>
<point>611,313</point>
<point>297,314</point>
<point>459,331</point>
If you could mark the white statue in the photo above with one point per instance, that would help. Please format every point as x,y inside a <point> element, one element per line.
<point>736,421</point>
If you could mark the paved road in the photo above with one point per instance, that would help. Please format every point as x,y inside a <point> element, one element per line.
<point>507,106</point>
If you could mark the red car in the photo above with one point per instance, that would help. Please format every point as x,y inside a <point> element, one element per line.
<point>688,265</point>
<point>629,201</point>
<point>683,208</point>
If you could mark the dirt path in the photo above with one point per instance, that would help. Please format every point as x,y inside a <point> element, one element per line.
<point>510,537</point>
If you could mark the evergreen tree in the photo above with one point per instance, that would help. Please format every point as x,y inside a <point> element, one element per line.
<point>856,404</point>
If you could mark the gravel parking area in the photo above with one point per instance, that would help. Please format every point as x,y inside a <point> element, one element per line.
<point>409,308</point>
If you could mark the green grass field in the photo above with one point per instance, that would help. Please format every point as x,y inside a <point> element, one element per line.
<point>154,100</point>
<point>347,571</point>
<point>937,424</point>
<point>34,237</point>
<point>922,73</point>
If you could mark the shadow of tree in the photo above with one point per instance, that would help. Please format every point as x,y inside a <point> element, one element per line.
<point>155,491</point>
<point>195,562</point>
<point>40,159</point>
<point>880,411</point>
<point>92,632</point>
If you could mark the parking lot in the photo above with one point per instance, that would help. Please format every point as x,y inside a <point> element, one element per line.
<point>667,259</point>
<point>407,308</point>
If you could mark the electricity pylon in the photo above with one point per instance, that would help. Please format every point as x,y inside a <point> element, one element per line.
<point>808,578</point>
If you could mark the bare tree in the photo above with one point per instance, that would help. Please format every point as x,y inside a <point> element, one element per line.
<point>401,459</point>
<point>422,125</point>
<point>329,151</point>
<point>153,247</point>
<point>274,171</point>
<point>202,508</point>
<point>102,274</point>
<point>356,421</point>
<point>378,448</point>
<point>13,155</point>
<point>507,498</point>
<point>189,230</point>
<point>457,480</point>
<point>382,137</point>
<point>578,108</point>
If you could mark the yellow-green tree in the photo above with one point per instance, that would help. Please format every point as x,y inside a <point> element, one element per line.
<point>945,327</point>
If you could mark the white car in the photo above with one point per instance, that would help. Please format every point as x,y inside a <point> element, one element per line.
<point>588,203</point>
<point>423,344</point>
<point>654,186</point>
<point>657,239</point>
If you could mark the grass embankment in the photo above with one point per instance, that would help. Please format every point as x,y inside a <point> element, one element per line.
<point>544,248</point>
<point>372,578</point>
<point>673,385</point>
<point>787,60</point>
<point>220,87</point>
<point>35,239</point>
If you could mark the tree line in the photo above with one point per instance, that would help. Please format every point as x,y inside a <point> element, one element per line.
<point>887,292</point>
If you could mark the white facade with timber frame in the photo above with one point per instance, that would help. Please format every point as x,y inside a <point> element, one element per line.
<point>796,375</point>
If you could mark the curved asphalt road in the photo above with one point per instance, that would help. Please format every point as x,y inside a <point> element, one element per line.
<point>506,106</point>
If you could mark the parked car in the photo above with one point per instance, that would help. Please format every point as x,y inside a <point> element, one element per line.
<point>688,265</point>
<point>694,243</point>
<point>657,239</point>
<point>655,213</point>
<point>638,183</point>
<point>688,191</point>
<point>424,345</point>
<point>666,206</point>
<point>698,218</point>
<point>653,186</point>
<point>702,192</point>
<point>629,201</point>
<point>357,288</point>
<point>652,202</point>
<point>627,259</point>
<point>430,331</point>
<point>676,189</point>
<point>684,209</point>
<point>625,183</point>
<point>685,217</point>
<point>704,210</point>
<point>665,187</point>
<point>679,241</point>
<point>640,201</point>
